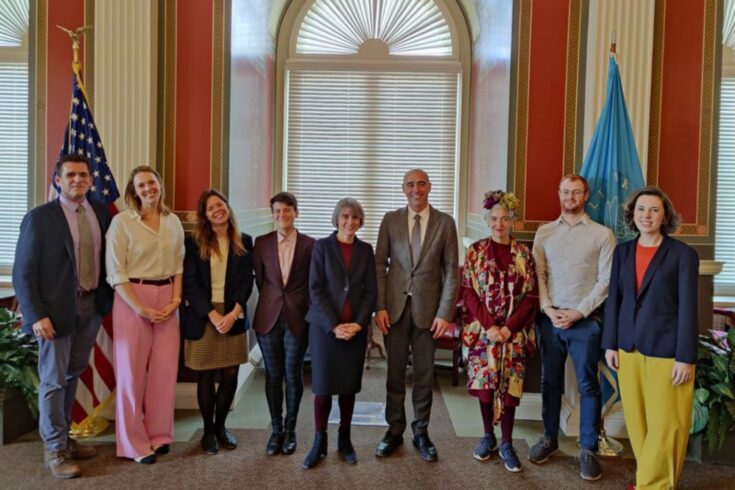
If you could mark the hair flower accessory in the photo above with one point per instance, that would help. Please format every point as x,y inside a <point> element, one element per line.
<point>506,200</point>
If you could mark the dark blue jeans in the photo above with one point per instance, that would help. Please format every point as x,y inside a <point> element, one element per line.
<point>582,343</point>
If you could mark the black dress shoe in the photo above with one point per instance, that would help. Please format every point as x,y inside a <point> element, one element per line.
<point>209,442</point>
<point>425,447</point>
<point>225,439</point>
<point>289,442</point>
<point>388,444</point>
<point>163,449</point>
<point>275,444</point>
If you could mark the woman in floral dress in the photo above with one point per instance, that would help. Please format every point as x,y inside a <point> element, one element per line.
<point>500,302</point>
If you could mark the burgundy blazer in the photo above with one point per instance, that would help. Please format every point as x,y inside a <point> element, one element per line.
<point>274,297</point>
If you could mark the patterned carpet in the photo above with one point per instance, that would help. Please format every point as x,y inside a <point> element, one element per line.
<point>248,467</point>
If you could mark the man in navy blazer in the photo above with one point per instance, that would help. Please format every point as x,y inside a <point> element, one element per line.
<point>58,278</point>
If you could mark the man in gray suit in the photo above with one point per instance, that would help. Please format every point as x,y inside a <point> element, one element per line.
<point>416,258</point>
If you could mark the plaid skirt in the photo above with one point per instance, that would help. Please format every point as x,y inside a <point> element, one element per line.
<point>215,350</point>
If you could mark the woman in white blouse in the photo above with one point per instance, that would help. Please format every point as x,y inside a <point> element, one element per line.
<point>145,259</point>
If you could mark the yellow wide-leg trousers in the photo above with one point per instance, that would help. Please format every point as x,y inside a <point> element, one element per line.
<point>657,416</point>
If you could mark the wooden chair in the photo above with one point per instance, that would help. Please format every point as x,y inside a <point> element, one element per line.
<point>452,338</point>
<point>723,319</point>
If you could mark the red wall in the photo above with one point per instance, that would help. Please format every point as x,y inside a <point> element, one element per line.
<point>69,14</point>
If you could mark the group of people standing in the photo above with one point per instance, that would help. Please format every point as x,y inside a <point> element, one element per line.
<point>323,294</point>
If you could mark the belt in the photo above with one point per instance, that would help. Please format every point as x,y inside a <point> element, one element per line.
<point>83,294</point>
<point>152,282</point>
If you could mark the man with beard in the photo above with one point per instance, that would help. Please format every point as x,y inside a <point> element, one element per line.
<point>573,259</point>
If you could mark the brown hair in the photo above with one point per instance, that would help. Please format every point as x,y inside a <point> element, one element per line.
<point>672,219</point>
<point>131,198</point>
<point>575,178</point>
<point>285,198</point>
<point>73,158</point>
<point>204,234</point>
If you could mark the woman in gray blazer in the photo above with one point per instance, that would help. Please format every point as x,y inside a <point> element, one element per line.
<point>342,290</point>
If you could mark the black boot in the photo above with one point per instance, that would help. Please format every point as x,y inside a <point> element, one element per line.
<point>318,451</point>
<point>344,446</point>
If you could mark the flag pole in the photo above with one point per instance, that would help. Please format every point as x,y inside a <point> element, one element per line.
<point>93,425</point>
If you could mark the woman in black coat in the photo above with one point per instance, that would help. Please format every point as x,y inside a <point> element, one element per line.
<point>342,290</point>
<point>218,280</point>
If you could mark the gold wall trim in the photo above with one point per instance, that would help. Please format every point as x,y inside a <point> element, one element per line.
<point>89,37</point>
<point>41,98</point>
<point>218,89</point>
<point>654,133</point>
<point>168,156</point>
<point>707,117</point>
<point>572,86</point>
<point>521,129</point>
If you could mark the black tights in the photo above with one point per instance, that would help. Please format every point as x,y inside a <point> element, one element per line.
<point>214,404</point>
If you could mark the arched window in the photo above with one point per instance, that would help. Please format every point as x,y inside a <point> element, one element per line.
<point>371,89</point>
<point>13,125</point>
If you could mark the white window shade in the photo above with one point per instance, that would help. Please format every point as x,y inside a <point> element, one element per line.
<point>13,156</point>
<point>407,27</point>
<point>355,134</point>
<point>725,235</point>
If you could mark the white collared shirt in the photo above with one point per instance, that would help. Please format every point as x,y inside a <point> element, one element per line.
<point>423,223</point>
<point>135,250</point>
<point>573,264</point>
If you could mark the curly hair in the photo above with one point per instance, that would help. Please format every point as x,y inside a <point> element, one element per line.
<point>672,219</point>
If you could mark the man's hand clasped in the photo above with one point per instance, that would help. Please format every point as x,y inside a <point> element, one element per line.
<point>562,318</point>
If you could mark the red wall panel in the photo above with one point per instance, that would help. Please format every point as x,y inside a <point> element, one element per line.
<point>546,108</point>
<point>193,102</point>
<point>681,99</point>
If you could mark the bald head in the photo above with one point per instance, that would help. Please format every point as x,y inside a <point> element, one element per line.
<point>416,187</point>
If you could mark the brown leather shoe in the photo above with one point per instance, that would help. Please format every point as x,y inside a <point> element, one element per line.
<point>77,451</point>
<point>60,464</point>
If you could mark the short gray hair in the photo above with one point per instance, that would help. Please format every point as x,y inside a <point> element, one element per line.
<point>352,204</point>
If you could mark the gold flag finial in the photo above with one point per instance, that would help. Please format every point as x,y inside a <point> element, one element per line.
<point>75,36</point>
<point>613,44</point>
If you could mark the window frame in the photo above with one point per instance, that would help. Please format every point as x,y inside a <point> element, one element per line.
<point>461,60</point>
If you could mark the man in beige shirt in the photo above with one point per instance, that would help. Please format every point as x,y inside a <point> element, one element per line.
<point>573,259</point>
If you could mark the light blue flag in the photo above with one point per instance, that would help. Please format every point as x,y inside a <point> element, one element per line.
<point>613,171</point>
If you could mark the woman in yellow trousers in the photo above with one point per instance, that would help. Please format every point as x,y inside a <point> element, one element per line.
<point>650,336</point>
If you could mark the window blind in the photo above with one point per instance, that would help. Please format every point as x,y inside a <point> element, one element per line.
<point>13,156</point>
<point>355,134</point>
<point>725,236</point>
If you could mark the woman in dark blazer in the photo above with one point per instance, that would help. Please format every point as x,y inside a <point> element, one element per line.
<point>650,336</point>
<point>343,290</point>
<point>218,280</point>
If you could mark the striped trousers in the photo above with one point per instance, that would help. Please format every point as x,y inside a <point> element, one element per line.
<point>283,354</point>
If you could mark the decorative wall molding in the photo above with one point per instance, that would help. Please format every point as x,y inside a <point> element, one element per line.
<point>126,100</point>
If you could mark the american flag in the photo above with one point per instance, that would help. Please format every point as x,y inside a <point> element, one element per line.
<point>97,383</point>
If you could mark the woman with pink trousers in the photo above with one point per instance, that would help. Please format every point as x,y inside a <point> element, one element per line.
<point>145,261</point>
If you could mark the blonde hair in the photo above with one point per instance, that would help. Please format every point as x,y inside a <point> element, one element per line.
<point>131,198</point>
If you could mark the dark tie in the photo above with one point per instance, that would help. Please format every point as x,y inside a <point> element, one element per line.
<point>416,239</point>
<point>86,251</point>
